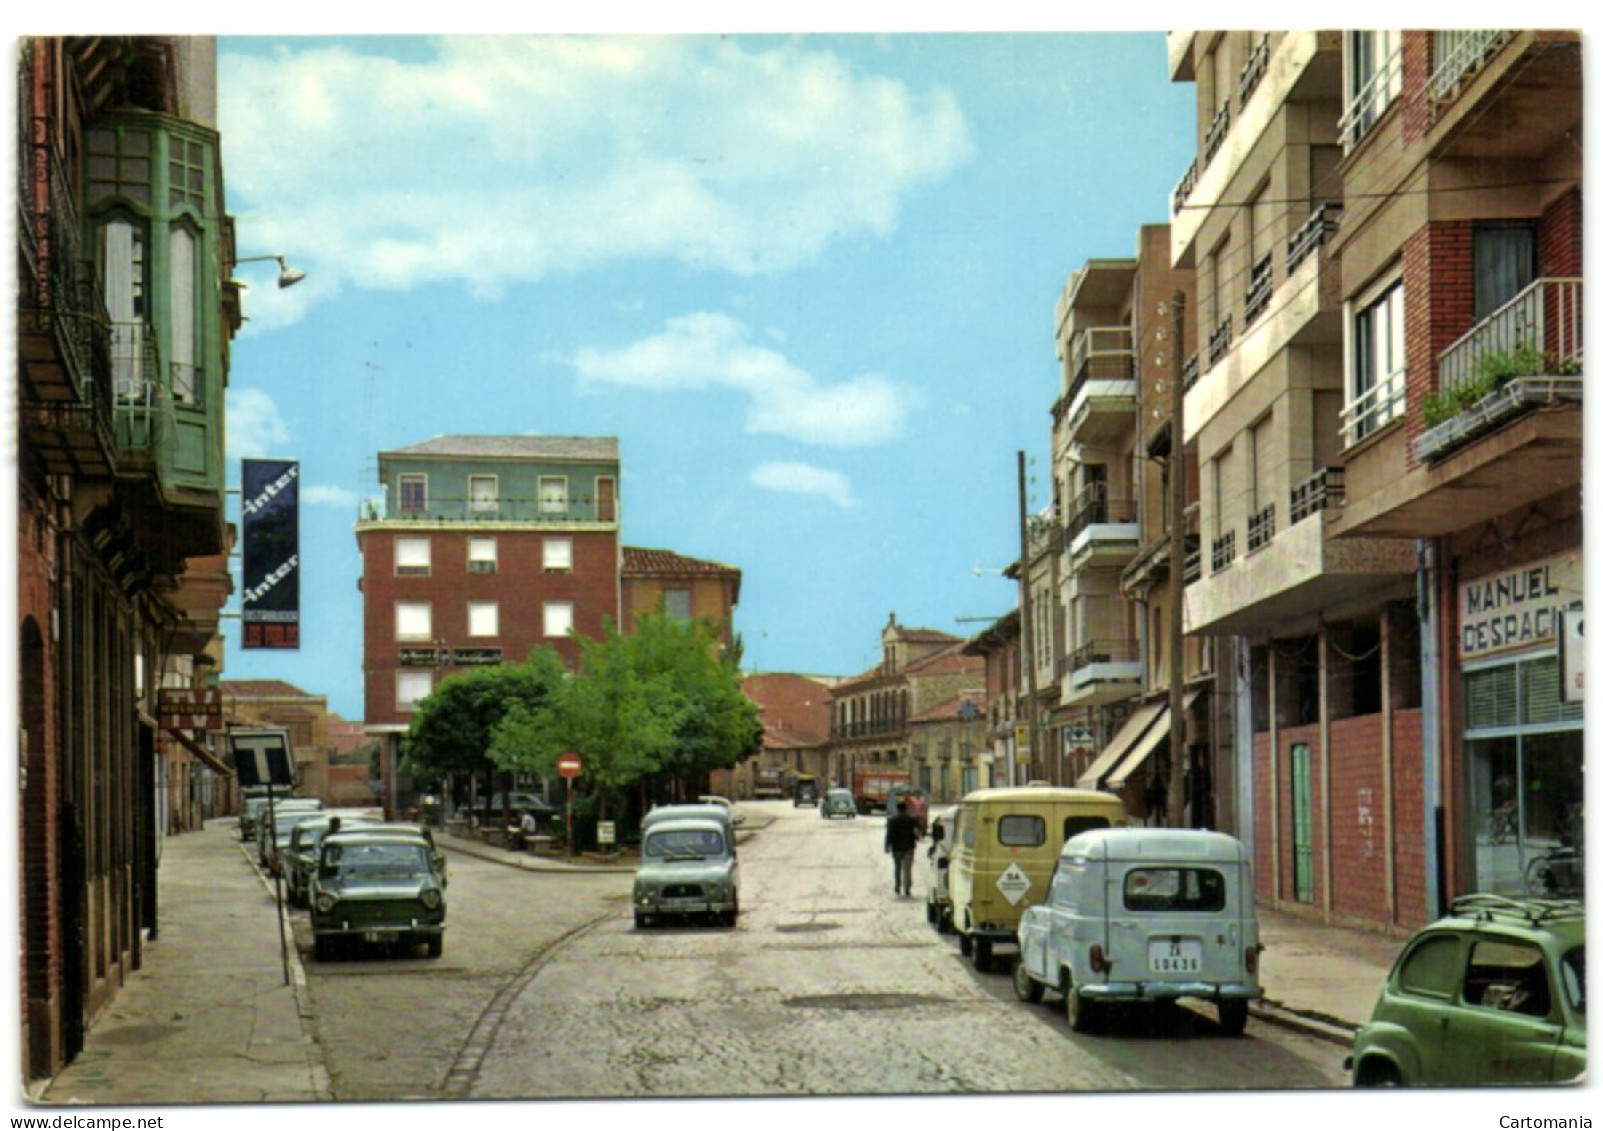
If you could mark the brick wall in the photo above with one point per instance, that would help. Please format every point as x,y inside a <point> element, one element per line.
<point>1414,834</point>
<point>520,586</point>
<point>1559,239</point>
<point>1358,819</point>
<point>1439,305</point>
<point>1263,816</point>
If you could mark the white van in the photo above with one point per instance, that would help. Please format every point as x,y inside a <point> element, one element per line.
<point>1144,915</point>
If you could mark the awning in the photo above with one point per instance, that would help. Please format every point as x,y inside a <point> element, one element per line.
<point>1132,730</point>
<point>1156,733</point>
<point>199,751</point>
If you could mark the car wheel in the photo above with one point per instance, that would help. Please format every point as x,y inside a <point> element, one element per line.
<point>944,924</point>
<point>931,915</point>
<point>1233,1017</point>
<point>436,945</point>
<point>1377,1074</point>
<point>323,948</point>
<point>965,945</point>
<point>1083,1015</point>
<point>1025,988</point>
<point>642,921</point>
<point>982,955</point>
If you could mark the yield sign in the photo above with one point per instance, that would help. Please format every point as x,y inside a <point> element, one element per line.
<point>1013,883</point>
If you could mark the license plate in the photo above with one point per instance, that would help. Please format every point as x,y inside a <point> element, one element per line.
<point>1175,955</point>
<point>380,936</point>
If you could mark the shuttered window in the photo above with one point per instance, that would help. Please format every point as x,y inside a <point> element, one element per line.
<point>412,557</point>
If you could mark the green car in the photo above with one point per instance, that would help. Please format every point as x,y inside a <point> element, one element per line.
<point>1493,994</point>
<point>376,887</point>
<point>838,803</point>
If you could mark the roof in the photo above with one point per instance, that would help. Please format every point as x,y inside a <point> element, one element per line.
<point>946,661</point>
<point>947,711</point>
<point>601,448</point>
<point>795,709</point>
<point>262,689</point>
<point>640,560</point>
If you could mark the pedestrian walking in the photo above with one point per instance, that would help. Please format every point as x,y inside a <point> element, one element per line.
<point>901,838</point>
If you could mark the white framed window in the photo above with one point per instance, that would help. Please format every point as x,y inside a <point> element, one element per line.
<point>558,618</point>
<point>481,555</point>
<point>184,364</point>
<point>412,556</point>
<point>414,493</point>
<point>1377,376</point>
<point>553,494</point>
<point>557,554</point>
<point>414,620</point>
<point>411,687</point>
<point>1372,79</point>
<point>123,264</point>
<point>483,495</point>
<point>484,618</point>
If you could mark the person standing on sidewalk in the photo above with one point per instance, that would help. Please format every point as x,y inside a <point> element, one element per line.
<point>901,838</point>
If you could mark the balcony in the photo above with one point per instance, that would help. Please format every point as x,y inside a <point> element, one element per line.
<point>1101,395</point>
<point>1102,670</point>
<point>1183,190</point>
<point>143,407</point>
<point>1253,71</point>
<point>1102,529</point>
<point>1371,101</point>
<point>1325,488</point>
<point>1260,529</point>
<point>1224,551</point>
<point>1323,222</point>
<point>1459,54</point>
<point>1220,340</point>
<point>1218,130</point>
<point>1260,289</point>
<point>1189,372</point>
<point>1374,408</point>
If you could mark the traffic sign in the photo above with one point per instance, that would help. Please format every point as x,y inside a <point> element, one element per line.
<point>262,757</point>
<point>570,765</point>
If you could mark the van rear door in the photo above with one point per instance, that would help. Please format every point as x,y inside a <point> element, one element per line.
<point>1177,921</point>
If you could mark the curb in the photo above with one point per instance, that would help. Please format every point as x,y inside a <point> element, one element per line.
<point>1322,1028</point>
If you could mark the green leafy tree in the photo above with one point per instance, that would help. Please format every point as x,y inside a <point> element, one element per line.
<point>455,725</point>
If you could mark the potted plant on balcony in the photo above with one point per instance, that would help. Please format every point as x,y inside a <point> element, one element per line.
<point>1488,397</point>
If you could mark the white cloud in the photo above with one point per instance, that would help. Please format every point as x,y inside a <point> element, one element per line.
<point>805,479</point>
<point>514,158</point>
<point>316,496</point>
<point>254,427</point>
<point>713,351</point>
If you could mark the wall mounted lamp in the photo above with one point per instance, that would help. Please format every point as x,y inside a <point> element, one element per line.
<point>287,276</point>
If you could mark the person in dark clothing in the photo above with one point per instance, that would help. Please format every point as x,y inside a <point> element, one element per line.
<point>901,838</point>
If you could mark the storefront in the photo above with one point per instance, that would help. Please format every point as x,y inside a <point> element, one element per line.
<point>1523,742</point>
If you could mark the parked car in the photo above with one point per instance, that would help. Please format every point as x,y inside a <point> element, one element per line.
<point>1495,993</point>
<point>409,828</point>
<point>937,892</point>
<point>1005,844</point>
<point>256,804</point>
<point>376,887</point>
<point>1149,915</point>
<point>299,856</point>
<point>805,791</point>
<point>274,839</point>
<point>686,868</point>
<point>284,813</point>
<point>492,810</point>
<point>838,803</point>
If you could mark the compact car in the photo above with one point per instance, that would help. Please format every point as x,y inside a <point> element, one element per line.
<point>377,888</point>
<point>686,868</point>
<point>838,803</point>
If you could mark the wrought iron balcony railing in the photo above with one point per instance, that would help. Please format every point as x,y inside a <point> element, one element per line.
<point>1260,288</point>
<point>1253,71</point>
<point>1325,488</point>
<point>1095,506</point>
<point>1220,340</point>
<point>1112,650</point>
<point>1224,550</point>
<point>1183,190</point>
<point>1189,372</point>
<point>1218,130</point>
<point>1322,222</point>
<point>1260,529</point>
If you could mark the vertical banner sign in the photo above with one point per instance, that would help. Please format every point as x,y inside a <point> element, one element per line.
<point>270,515</point>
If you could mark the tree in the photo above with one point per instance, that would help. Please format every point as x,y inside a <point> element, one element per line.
<point>662,699</point>
<point>454,726</point>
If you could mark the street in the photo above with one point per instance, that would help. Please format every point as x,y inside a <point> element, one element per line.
<point>828,985</point>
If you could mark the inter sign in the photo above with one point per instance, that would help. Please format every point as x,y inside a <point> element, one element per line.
<point>270,517</point>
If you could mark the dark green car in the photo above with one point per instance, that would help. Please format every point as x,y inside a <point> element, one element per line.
<point>1493,994</point>
<point>379,888</point>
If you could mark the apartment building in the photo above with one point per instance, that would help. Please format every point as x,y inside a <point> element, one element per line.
<point>485,548</point>
<point>1350,198</point>
<point>1122,336</point>
<point>1461,286</point>
<point>124,316</point>
<point>993,759</point>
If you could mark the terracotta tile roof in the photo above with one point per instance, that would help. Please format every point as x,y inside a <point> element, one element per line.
<point>925,636</point>
<point>947,660</point>
<point>515,447</point>
<point>795,709</point>
<point>638,560</point>
<point>947,711</point>
<point>262,689</point>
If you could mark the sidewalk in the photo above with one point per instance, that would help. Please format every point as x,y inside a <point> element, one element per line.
<point>210,1019</point>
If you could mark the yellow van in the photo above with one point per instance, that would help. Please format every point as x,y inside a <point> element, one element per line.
<point>1005,843</point>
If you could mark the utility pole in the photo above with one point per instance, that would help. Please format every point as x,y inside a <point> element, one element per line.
<point>1176,804</point>
<point>1026,631</point>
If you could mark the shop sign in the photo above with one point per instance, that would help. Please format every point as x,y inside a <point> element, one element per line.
<point>1518,608</point>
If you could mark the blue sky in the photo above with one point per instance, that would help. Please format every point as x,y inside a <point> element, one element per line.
<point>807,281</point>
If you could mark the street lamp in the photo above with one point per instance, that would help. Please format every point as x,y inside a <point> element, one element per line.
<point>287,276</point>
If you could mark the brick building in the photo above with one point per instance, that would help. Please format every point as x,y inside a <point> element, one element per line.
<point>125,311</point>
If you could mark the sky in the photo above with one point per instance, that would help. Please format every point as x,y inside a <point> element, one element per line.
<point>807,280</point>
